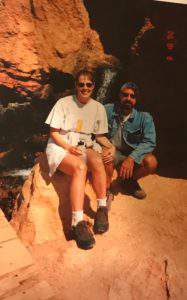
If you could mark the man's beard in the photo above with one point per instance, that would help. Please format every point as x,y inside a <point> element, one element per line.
<point>126,105</point>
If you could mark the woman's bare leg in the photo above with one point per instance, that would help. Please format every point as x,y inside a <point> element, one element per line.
<point>96,166</point>
<point>109,169</point>
<point>76,168</point>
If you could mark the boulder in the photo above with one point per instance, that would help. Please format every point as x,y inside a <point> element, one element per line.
<point>43,210</point>
<point>38,36</point>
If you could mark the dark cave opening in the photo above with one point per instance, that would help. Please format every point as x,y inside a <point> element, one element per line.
<point>117,23</point>
<point>158,69</point>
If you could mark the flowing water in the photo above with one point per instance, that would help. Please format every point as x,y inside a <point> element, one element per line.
<point>24,173</point>
<point>108,77</point>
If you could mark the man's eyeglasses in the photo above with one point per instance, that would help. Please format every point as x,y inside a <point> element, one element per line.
<point>127,94</point>
<point>87,84</point>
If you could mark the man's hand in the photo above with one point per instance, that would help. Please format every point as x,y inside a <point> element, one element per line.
<point>127,167</point>
<point>75,150</point>
<point>108,155</point>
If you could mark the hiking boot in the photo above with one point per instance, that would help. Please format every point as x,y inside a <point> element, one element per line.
<point>101,223</point>
<point>83,235</point>
<point>133,188</point>
<point>109,199</point>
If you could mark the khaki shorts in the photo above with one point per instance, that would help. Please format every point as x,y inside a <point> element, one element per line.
<point>119,158</point>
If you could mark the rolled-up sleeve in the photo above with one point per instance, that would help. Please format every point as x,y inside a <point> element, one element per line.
<point>148,142</point>
<point>56,116</point>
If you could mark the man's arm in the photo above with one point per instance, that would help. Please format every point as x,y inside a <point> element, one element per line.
<point>146,145</point>
<point>108,148</point>
<point>148,141</point>
<point>104,141</point>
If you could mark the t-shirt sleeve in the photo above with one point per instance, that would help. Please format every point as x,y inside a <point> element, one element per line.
<point>101,123</point>
<point>56,116</point>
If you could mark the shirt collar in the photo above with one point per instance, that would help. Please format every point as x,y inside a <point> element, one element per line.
<point>133,114</point>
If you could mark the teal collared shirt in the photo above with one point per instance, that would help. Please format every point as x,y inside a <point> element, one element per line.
<point>138,131</point>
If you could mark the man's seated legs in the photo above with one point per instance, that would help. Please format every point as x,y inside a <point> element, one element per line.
<point>77,169</point>
<point>147,166</point>
<point>96,166</point>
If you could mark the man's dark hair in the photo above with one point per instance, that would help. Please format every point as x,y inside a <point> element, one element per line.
<point>132,86</point>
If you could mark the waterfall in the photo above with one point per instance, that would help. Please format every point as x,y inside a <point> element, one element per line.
<point>24,173</point>
<point>108,76</point>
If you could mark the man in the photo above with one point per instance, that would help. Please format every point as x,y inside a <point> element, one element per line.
<point>132,133</point>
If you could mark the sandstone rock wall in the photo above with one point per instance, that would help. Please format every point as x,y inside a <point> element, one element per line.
<point>39,35</point>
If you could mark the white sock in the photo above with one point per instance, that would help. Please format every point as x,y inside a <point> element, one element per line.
<point>101,202</point>
<point>77,216</point>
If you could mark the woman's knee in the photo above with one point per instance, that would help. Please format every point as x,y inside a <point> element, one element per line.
<point>79,168</point>
<point>150,163</point>
<point>72,165</point>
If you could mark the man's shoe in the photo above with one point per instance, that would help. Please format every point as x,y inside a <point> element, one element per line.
<point>133,188</point>
<point>101,223</point>
<point>83,235</point>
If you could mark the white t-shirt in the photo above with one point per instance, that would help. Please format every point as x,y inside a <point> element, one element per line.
<point>76,122</point>
<point>71,116</point>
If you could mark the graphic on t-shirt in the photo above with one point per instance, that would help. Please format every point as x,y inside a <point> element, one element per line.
<point>79,125</point>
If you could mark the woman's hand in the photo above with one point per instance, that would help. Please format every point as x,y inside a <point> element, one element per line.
<point>58,138</point>
<point>74,150</point>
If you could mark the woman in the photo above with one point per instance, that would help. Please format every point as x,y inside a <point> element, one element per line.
<point>73,122</point>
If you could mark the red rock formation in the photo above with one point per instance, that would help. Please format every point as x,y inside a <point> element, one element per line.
<point>38,35</point>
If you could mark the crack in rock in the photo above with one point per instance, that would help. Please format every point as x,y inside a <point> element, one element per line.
<point>33,11</point>
<point>166,279</point>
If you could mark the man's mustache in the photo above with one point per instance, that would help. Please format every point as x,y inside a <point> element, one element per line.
<point>126,105</point>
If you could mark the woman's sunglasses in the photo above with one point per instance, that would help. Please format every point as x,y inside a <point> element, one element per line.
<point>87,84</point>
<point>127,94</point>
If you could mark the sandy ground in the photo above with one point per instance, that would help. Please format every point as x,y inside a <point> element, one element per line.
<point>142,256</point>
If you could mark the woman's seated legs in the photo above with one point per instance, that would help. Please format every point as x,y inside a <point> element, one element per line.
<point>72,165</point>
<point>96,166</point>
